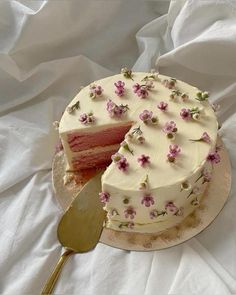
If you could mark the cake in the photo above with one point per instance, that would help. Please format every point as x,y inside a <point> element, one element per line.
<point>155,135</point>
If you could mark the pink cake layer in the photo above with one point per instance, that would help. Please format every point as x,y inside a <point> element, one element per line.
<point>79,141</point>
<point>96,160</point>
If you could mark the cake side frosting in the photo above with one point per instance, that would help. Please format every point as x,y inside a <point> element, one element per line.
<point>159,174</point>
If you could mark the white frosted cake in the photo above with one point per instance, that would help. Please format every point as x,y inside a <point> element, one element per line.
<point>155,135</point>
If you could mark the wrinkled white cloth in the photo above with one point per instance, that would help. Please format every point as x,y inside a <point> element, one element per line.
<point>48,49</point>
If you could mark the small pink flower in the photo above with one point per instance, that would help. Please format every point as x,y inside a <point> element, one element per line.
<point>119,84</point>
<point>141,90</point>
<point>169,83</point>
<point>174,150</point>
<point>120,88</point>
<point>170,127</point>
<point>130,213</point>
<point>205,137</point>
<point>87,118</point>
<point>136,87</point>
<point>146,116</point>
<point>162,106</point>
<point>147,200</point>
<point>144,160</point>
<point>153,214</point>
<point>185,114</point>
<point>104,197</point>
<point>170,206</point>
<point>95,90</point>
<point>114,110</point>
<point>120,161</point>
<point>110,105</point>
<point>123,164</point>
<point>213,157</point>
<point>83,118</point>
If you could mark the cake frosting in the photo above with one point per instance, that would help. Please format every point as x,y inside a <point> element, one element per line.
<point>157,138</point>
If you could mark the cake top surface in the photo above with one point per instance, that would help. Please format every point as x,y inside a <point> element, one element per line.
<point>173,126</point>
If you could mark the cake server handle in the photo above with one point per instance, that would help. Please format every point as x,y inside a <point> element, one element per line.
<point>48,288</point>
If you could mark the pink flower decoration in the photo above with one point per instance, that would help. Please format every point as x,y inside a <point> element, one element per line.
<point>120,88</point>
<point>170,127</point>
<point>130,213</point>
<point>83,118</point>
<point>104,197</point>
<point>87,118</point>
<point>146,116</point>
<point>111,107</point>
<point>213,157</point>
<point>205,137</point>
<point>120,161</point>
<point>143,93</point>
<point>153,214</point>
<point>170,206</point>
<point>136,87</point>
<point>123,164</point>
<point>174,150</point>
<point>143,160</point>
<point>147,200</point>
<point>140,90</point>
<point>162,106</point>
<point>114,110</point>
<point>185,114</point>
<point>169,83</point>
<point>95,90</point>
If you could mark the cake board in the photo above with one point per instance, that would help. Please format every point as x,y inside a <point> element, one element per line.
<point>215,197</point>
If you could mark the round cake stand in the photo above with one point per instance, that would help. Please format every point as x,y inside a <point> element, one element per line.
<point>216,195</point>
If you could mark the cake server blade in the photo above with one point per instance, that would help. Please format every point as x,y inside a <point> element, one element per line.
<point>80,227</point>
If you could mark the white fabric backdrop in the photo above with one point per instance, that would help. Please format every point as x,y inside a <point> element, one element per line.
<point>48,49</point>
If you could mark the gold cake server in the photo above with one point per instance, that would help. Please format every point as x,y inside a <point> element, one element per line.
<point>80,227</point>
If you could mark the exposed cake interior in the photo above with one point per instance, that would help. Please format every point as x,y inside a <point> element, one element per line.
<point>94,149</point>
